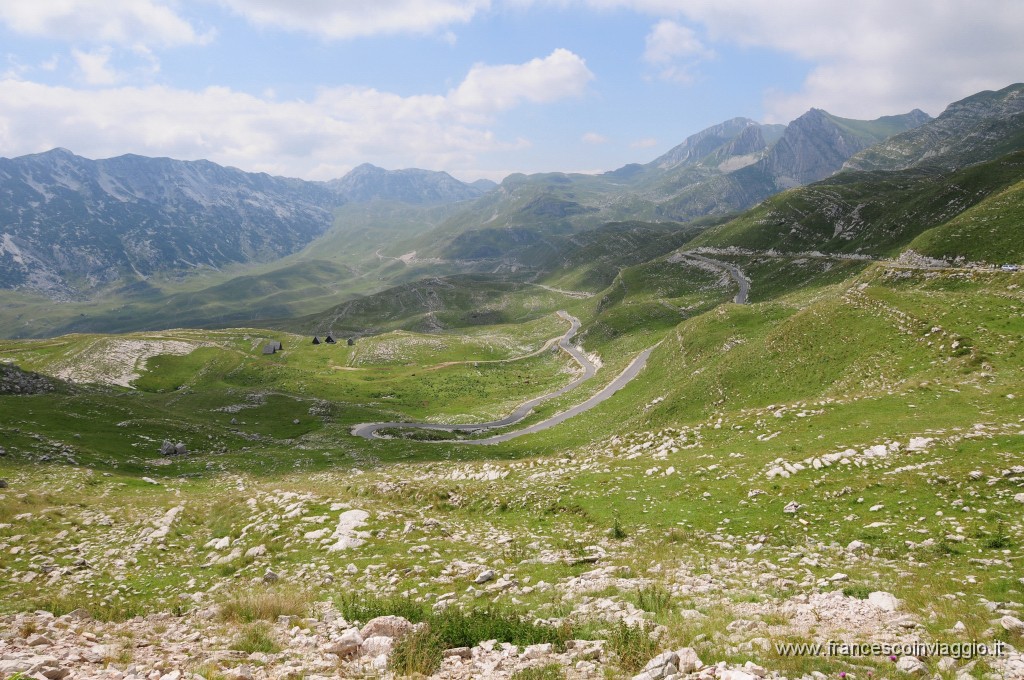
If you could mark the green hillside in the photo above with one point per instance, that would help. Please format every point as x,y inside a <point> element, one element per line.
<point>991,231</point>
<point>866,213</point>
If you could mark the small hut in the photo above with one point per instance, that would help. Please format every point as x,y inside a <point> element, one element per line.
<point>270,348</point>
<point>316,340</point>
<point>329,340</point>
<point>351,341</point>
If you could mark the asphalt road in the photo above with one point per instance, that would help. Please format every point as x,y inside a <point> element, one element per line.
<point>737,275</point>
<point>369,430</point>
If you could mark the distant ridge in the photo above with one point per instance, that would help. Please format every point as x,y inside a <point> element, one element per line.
<point>70,225</point>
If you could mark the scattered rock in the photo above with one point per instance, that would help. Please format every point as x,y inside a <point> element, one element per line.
<point>460,652</point>
<point>386,626</point>
<point>1012,624</point>
<point>484,576</point>
<point>688,660</point>
<point>347,645</point>
<point>911,665</point>
<point>661,666</point>
<point>884,601</point>
<point>377,646</point>
<point>537,651</point>
<point>791,508</point>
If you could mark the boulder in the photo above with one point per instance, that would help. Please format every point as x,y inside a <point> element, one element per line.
<point>661,666</point>
<point>884,601</point>
<point>1012,624</point>
<point>376,646</point>
<point>180,449</point>
<point>347,645</point>
<point>167,448</point>
<point>911,665</point>
<point>484,576</point>
<point>736,674</point>
<point>386,626</point>
<point>461,652</point>
<point>537,651</point>
<point>688,660</point>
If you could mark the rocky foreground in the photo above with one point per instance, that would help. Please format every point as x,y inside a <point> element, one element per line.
<point>200,644</point>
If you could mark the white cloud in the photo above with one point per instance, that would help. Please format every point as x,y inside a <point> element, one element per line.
<point>317,139</point>
<point>593,138</point>
<point>497,88</point>
<point>123,22</point>
<point>356,18</point>
<point>669,41</point>
<point>94,67</point>
<point>676,50</point>
<point>865,59</point>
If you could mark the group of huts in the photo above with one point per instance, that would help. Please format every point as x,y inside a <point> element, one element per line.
<point>329,340</point>
<point>275,346</point>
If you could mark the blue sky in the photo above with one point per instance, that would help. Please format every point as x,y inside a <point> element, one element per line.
<point>481,88</point>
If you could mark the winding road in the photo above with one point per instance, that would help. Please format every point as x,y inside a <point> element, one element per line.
<point>732,270</point>
<point>369,430</point>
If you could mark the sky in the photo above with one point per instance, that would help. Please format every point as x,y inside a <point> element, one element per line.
<point>479,88</point>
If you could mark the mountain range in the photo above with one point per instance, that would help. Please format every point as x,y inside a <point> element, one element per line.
<point>71,226</point>
<point>141,236</point>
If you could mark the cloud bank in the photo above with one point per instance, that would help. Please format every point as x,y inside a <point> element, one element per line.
<point>317,139</point>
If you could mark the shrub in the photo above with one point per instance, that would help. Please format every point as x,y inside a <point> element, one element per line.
<point>256,637</point>
<point>860,592</point>
<point>653,598</point>
<point>264,605</point>
<point>552,671</point>
<point>460,628</point>
<point>633,646</point>
<point>363,608</point>
<point>419,652</point>
<point>617,531</point>
<point>999,540</point>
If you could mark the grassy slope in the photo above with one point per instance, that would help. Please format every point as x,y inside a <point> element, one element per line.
<point>991,231</point>
<point>881,357</point>
<point>871,213</point>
